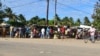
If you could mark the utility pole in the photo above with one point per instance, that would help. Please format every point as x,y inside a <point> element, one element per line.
<point>55,21</point>
<point>47,12</point>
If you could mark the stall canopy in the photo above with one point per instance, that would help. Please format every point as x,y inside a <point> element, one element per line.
<point>85,26</point>
<point>4,24</point>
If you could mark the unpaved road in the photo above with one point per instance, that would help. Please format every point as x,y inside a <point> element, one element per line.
<point>47,47</point>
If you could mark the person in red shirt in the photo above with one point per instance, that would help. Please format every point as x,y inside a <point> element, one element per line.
<point>34,32</point>
<point>62,30</point>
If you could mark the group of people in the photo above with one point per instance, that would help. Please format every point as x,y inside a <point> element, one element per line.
<point>28,32</point>
<point>18,31</point>
<point>48,32</point>
<point>90,34</point>
<point>42,32</point>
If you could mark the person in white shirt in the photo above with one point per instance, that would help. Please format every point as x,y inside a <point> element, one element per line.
<point>42,32</point>
<point>11,31</point>
<point>92,33</point>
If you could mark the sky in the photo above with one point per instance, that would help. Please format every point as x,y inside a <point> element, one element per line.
<point>71,8</point>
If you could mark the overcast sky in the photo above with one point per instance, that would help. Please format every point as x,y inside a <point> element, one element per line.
<point>70,8</point>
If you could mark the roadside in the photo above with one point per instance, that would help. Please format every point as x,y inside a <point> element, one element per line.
<point>62,42</point>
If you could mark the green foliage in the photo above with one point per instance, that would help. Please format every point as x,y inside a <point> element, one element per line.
<point>1,18</point>
<point>22,19</point>
<point>78,22</point>
<point>57,19</point>
<point>34,20</point>
<point>17,24</point>
<point>86,21</point>
<point>67,21</point>
<point>1,13</point>
<point>71,21</point>
<point>96,15</point>
<point>51,22</point>
<point>13,19</point>
<point>41,21</point>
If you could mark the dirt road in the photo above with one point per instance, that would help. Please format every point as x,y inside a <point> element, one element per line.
<point>47,47</point>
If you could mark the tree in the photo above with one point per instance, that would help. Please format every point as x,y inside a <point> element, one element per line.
<point>51,22</point>
<point>9,13</point>
<point>41,21</point>
<point>86,21</point>
<point>1,13</point>
<point>78,22</point>
<point>65,21</point>
<point>22,19</point>
<point>34,20</point>
<point>1,17</point>
<point>71,21</point>
<point>57,19</point>
<point>12,17</point>
<point>96,15</point>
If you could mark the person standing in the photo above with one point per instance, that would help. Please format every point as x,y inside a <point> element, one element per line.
<point>31,33</point>
<point>58,30</point>
<point>78,34</point>
<point>42,32</point>
<point>62,32</point>
<point>4,32</point>
<point>27,32</point>
<point>92,34</point>
<point>34,32</point>
<point>48,32</point>
<point>11,31</point>
<point>20,32</point>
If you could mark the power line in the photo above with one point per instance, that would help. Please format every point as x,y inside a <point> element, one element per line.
<point>85,2</point>
<point>88,4</point>
<point>12,1</point>
<point>73,8</point>
<point>27,4</point>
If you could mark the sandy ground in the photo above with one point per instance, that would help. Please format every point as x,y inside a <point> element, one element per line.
<point>47,47</point>
<point>60,42</point>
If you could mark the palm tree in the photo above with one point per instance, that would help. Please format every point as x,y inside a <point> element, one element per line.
<point>22,19</point>
<point>57,19</point>
<point>10,14</point>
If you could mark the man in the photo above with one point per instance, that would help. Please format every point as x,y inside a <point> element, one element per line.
<point>92,34</point>
<point>78,35</point>
<point>11,31</point>
<point>42,32</point>
<point>48,32</point>
<point>62,32</point>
